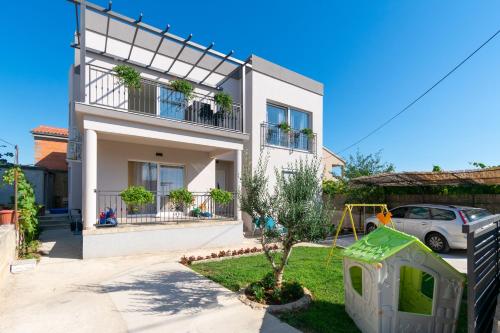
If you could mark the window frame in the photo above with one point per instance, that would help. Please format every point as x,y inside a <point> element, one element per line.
<point>412,218</point>
<point>400,207</point>
<point>444,220</point>
<point>434,298</point>
<point>361,279</point>
<point>288,111</point>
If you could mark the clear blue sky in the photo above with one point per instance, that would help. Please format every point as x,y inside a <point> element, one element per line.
<point>372,56</point>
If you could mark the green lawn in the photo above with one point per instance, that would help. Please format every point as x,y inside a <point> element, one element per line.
<point>308,266</point>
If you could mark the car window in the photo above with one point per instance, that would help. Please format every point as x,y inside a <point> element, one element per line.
<point>399,213</point>
<point>475,214</point>
<point>419,213</point>
<point>442,214</point>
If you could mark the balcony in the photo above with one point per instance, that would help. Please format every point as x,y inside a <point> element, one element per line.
<point>164,210</point>
<point>158,100</point>
<point>272,135</point>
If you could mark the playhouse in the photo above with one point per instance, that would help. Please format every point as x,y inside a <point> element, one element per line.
<point>394,283</point>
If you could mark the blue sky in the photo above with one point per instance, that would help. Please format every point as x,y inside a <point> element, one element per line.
<point>373,57</point>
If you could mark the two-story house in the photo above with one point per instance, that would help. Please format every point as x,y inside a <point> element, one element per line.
<point>155,136</point>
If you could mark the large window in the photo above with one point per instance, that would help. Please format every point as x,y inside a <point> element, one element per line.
<point>416,291</point>
<point>171,178</point>
<point>298,121</point>
<point>143,174</point>
<point>172,104</point>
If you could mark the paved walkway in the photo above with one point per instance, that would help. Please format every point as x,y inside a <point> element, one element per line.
<point>150,293</point>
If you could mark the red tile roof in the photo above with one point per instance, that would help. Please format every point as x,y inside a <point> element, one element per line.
<point>49,130</point>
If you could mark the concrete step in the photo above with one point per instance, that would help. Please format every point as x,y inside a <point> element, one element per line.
<point>54,226</point>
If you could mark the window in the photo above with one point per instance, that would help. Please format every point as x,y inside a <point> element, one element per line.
<point>143,174</point>
<point>475,214</point>
<point>356,274</point>
<point>275,114</point>
<point>416,291</point>
<point>419,213</point>
<point>299,120</point>
<point>172,104</point>
<point>442,214</point>
<point>399,213</point>
<point>171,178</point>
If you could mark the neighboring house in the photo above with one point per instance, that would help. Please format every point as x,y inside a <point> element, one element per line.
<point>50,154</point>
<point>157,138</point>
<point>36,176</point>
<point>334,164</point>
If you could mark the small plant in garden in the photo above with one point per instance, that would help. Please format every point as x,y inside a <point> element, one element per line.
<point>183,87</point>
<point>128,76</point>
<point>220,196</point>
<point>308,132</point>
<point>224,101</point>
<point>27,209</point>
<point>181,196</point>
<point>285,127</point>
<point>135,196</point>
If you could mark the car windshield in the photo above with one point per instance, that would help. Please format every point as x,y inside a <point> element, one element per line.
<point>475,214</point>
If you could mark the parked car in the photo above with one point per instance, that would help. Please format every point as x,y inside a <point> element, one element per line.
<point>438,226</point>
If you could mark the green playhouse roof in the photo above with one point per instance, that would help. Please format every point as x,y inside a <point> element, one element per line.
<point>380,244</point>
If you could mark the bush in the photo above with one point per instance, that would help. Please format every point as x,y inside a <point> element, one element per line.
<point>181,197</point>
<point>257,291</point>
<point>128,76</point>
<point>291,291</point>
<point>220,196</point>
<point>135,196</point>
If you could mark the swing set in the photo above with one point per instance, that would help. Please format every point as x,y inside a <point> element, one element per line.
<point>384,217</point>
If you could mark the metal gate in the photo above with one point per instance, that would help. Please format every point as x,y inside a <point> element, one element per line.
<point>483,279</point>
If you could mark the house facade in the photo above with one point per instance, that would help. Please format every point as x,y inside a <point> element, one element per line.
<point>157,137</point>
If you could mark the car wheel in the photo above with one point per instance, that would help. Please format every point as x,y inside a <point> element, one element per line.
<point>437,243</point>
<point>370,227</point>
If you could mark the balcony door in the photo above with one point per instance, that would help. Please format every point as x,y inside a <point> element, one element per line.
<point>144,174</point>
<point>172,104</point>
<point>171,178</point>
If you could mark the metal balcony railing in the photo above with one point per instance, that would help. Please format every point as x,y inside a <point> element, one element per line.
<point>160,100</point>
<point>273,135</point>
<point>163,210</point>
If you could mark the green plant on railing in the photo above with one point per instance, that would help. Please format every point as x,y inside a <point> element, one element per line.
<point>183,87</point>
<point>27,208</point>
<point>135,196</point>
<point>182,197</point>
<point>285,127</point>
<point>220,196</point>
<point>128,76</point>
<point>307,132</point>
<point>224,101</point>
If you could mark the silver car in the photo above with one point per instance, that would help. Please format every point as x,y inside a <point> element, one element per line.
<point>438,226</point>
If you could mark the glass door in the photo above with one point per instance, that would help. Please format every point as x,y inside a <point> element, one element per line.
<point>171,178</point>
<point>143,174</point>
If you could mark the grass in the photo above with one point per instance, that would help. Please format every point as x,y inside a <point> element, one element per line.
<point>308,266</point>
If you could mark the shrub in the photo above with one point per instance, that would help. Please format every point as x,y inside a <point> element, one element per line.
<point>181,196</point>
<point>199,258</point>
<point>220,196</point>
<point>224,101</point>
<point>183,87</point>
<point>257,291</point>
<point>285,127</point>
<point>134,196</point>
<point>308,132</point>
<point>268,281</point>
<point>214,255</point>
<point>222,254</point>
<point>128,76</point>
<point>291,291</point>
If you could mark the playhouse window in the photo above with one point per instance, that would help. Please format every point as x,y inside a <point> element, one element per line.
<point>416,291</point>
<point>356,274</point>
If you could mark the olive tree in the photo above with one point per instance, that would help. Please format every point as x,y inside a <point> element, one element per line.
<point>296,205</point>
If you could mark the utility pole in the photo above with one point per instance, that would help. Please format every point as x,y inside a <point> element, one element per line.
<point>16,162</point>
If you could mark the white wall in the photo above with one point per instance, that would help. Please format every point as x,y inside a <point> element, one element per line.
<point>75,185</point>
<point>113,157</point>
<point>266,89</point>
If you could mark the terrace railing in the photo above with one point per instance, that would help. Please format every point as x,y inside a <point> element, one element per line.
<point>273,135</point>
<point>155,99</point>
<point>163,209</point>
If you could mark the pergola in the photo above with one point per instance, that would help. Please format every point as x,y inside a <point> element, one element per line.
<point>104,32</point>
<point>488,176</point>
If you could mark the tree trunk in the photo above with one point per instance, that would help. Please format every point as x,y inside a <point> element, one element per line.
<point>278,273</point>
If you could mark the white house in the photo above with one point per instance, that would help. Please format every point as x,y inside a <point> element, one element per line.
<point>156,138</point>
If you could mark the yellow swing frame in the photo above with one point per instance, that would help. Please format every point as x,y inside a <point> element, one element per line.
<point>348,209</point>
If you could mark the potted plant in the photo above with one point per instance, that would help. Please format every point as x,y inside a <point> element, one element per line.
<point>182,198</point>
<point>128,76</point>
<point>221,197</point>
<point>184,87</point>
<point>6,216</point>
<point>224,101</point>
<point>307,132</point>
<point>135,196</point>
<point>284,126</point>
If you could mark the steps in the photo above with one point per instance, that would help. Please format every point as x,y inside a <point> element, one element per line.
<point>54,221</point>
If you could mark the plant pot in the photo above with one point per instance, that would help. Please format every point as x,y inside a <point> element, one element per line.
<point>6,216</point>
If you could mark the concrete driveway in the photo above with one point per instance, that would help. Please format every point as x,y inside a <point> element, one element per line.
<point>150,293</point>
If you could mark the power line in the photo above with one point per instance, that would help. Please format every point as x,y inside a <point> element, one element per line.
<point>7,142</point>
<point>421,96</point>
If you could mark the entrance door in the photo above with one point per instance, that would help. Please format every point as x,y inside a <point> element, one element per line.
<point>220,178</point>
<point>143,174</point>
<point>171,178</point>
